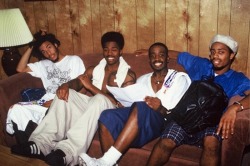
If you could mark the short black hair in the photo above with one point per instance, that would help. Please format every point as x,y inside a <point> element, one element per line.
<point>158,44</point>
<point>40,38</point>
<point>113,37</point>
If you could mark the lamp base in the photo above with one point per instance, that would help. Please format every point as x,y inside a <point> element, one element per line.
<point>10,60</point>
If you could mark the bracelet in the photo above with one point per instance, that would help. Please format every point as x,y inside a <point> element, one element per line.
<point>241,106</point>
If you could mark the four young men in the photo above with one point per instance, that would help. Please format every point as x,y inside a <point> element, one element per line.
<point>61,137</point>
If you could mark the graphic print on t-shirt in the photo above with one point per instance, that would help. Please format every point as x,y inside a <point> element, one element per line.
<point>57,77</point>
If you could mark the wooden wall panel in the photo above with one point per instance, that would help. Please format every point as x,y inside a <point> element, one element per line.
<point>224,17</point>
<point>208,25</point>
<point>125,22</point>
<point>239,26</point>
<point>29,15</point>
<point>86,26</point>
<point>145,23</point>
<point>159,21</point>
<point>2,4</point>
<point>40,13</point>
<point>96,21</point>
<point>107,14</point>
<point>63,26</point>
<point>184,25</point>
<point>193,24</point>
<point>51,20</point>
<point>176,25</point>
<point>75,26</point>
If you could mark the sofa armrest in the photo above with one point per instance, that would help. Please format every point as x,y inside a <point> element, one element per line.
<point>233,147</point>
<point>10,90</point>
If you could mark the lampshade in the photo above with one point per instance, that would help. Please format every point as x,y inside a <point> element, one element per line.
<point>13,29</point>
<point>13,32</point>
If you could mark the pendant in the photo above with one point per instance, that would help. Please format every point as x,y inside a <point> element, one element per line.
<point>158,82</point>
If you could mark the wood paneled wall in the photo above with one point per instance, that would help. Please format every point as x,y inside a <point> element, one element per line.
<point>184,25</point>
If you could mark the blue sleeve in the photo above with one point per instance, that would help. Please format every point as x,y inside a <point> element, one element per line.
<point>195,66</point>
<point>238,83</point>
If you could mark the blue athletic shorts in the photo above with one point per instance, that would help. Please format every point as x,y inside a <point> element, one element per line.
<point>150,122</point>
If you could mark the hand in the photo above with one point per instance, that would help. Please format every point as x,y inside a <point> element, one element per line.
<point>153,102</point>
<point>85,81</point>
<point>227,121</point>
<point>63,92</point>
<point>141,52</point>
<point>47,103</point>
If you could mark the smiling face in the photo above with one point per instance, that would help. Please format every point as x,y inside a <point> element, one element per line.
<point>158,57</point>
<point>111,52</point>
<point>221,57</point>
<point>50,51</point>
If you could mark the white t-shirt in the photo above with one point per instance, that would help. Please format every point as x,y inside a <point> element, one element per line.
<point>172,89</point>
<point>54,74</point>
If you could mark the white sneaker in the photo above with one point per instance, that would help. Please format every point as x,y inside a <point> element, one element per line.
<point>85,160</point>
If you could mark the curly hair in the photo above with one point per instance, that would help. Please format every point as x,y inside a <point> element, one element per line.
<point>40,38</point>
<point>114,37</point>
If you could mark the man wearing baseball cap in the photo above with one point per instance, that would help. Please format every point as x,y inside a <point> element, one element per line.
<point>223,50</point>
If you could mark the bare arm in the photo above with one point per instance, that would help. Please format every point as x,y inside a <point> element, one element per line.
<point>63,91</point>
<point>173,53</point>
<point>22,65</point>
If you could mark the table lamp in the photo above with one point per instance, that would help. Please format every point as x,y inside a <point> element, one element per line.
<point>14,32</point>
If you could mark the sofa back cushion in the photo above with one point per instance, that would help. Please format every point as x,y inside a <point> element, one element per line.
<point>139,64</point>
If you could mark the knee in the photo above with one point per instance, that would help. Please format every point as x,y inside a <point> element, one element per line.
<point>166,145</point>
<point>106,114</point>
<point>211,144</point>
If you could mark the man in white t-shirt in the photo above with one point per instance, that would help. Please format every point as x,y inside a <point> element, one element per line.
<point>144,121</point>
<point>54,69</point>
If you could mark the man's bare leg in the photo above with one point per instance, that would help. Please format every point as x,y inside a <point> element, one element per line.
<point>211,152</point>
<point>106,139</point>
<point>129,132</point>
<point>161,152</point>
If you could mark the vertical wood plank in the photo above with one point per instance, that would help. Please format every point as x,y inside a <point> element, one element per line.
<point>75,26</point>
<point>2,4</point>
<point>176,26</point>
<point>145,23</point>
<point>86,26</point>
<point>40,12</point>
<point>96,20</point>
<point>193,25</point>
<point>30,16</point>
<point>51,20</point>
<point>224,17</point>
<point>125,22</point>
<point>160,21</point>
<point>208,24</point>
<point>63,26</point>
<point>238,30</point>
<point>107,15</point>
<point>15,4</point>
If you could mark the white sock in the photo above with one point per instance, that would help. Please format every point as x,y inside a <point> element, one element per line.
<point>111,156</point>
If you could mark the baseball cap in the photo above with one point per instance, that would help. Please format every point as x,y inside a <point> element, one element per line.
<point>227,40</point>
